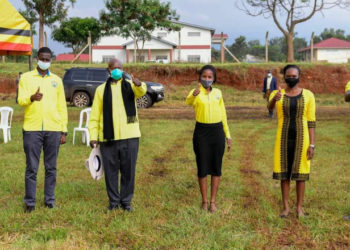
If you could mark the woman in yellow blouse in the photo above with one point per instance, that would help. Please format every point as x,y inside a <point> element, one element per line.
<point>209,134</point>
<point>295,140</point>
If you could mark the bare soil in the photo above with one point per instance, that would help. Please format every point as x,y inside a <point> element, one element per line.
<point>318,78</point>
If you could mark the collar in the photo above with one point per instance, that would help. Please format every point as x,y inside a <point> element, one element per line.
<point>47,73</point>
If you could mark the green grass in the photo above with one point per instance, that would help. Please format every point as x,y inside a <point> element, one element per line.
<point>11,69</point>
<point>167,199</point>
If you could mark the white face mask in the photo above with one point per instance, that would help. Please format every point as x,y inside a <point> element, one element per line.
<point>269,75</point>
<point>44,65</point>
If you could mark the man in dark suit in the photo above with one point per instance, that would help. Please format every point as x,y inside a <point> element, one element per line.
<point>270,84</point>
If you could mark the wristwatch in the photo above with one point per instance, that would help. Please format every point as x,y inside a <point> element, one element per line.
<point>64,133</point>
<point>312,146</point>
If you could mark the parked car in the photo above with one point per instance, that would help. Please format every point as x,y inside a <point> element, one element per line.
<point>80,85</point>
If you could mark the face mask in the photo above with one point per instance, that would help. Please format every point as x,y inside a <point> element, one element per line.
<point>44,65</point>
<point>269,75</point>
<point>291,82</point>
<point>116,74</point>
<point>206,83</point>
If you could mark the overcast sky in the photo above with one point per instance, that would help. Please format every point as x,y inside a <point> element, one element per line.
<point>222,15</point>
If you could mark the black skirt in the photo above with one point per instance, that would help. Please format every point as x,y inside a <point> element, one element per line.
<point>209,147</point>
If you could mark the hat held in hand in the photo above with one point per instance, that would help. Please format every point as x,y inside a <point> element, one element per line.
<point>94,164</point>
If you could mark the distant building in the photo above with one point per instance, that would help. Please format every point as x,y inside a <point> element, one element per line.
<point>191,44</point>
<point>70,57</point>
<point>332,50</point>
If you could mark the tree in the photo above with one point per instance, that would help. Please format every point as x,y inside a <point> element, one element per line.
<point>239,47</point>
<point>46,12</point>
<point>137,19</point>
<point>287,14</point>
<point>328,33</point>
<point>73,33</point>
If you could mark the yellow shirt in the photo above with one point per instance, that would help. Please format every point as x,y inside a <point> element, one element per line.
<point>122,129</point>
<point>48,114</point>
<point>209,108</point>
<point>347,87</point>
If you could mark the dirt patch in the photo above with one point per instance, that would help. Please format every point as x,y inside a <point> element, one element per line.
<point>7,85</point>
<point>159,163</point>
<point>317,78</point>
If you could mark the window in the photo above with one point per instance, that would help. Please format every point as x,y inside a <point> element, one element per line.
<point>161,34</point>
<point>106,59</point>
<point>99,75</point>
<point>161,57</point>
<point>194,34</point>
<point>78,75</point>
<point>194,58</point>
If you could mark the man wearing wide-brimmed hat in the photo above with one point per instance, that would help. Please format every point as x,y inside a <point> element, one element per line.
<point>114,125</point>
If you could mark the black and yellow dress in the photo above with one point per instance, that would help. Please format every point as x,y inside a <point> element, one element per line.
<point>295,116</point>
<point>210,131</point>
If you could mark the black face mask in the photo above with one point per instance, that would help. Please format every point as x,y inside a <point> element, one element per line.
<point>291,82</point>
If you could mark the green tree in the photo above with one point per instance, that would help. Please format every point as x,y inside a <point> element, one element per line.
<point>73,33</point>
<point>46,12</point>
<point>287,14</point>
<point>239,48</point>
<point>137,19</point>
<point>328,33</point>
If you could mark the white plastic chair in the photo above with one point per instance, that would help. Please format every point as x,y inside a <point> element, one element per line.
<point>85,137</point>
<point>5,122</point>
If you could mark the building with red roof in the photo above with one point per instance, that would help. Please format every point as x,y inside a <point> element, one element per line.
<point>70,57</point>
<point>331,50</point>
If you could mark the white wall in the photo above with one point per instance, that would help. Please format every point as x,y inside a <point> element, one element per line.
<point>97,54</point>
<point>333,55</point>
<point>154,45</point>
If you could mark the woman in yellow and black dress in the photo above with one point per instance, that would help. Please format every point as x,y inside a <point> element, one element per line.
<point>210,133</point>
<point>295,140</point>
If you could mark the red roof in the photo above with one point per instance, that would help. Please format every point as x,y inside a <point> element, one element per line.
<point>218,36</point>
<point>70,57</point>
<point>331,43</point>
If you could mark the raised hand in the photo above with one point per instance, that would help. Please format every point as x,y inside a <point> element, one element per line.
<point>278,94</point>
<point>37,96</point>
<point>136,81</point>
<point>197,90</point>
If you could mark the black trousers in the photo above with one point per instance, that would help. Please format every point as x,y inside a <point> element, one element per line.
<point>33,142</point>
<point>120,155</point>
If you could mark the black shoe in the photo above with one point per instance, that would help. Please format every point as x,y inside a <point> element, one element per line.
<point>29,209</point>
<point>50,206</point>
<point>127,208</point>
<point>110,207</point>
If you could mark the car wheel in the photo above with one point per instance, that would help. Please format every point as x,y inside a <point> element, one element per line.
<point>81,99</point>
<point>144,101</point>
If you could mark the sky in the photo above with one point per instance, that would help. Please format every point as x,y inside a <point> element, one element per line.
<point>222,15</point>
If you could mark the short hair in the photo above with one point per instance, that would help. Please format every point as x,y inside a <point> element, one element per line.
<point>44,50</point>
<point>291,66</point>
<point>210,67</point>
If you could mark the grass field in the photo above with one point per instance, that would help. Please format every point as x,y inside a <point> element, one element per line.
<point>167,199</point>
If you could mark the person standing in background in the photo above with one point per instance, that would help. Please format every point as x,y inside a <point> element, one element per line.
<point>347,99</point>
<point>41,93</point>
<point>270,84</point>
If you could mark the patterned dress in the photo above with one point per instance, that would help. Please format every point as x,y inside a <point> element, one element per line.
<point>295,116</point>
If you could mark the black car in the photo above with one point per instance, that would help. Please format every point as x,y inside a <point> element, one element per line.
<point>80,85</point>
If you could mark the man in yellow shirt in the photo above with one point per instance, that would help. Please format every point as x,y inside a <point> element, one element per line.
<point>41,93</point>
<point>347,99</point>
<point>347,92</point>
<point>114,125</point>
